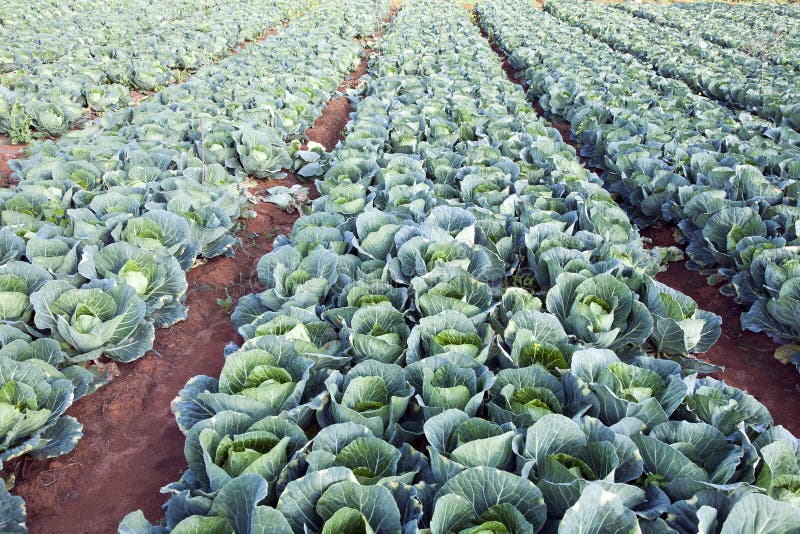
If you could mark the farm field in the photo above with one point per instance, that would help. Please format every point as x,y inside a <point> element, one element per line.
<point>380,266</point>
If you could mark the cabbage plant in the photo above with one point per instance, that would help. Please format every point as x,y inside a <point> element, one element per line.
<point>235,508</point>
<point>450,381</point>
<point>649,389</point>
<point>262,152</point>
<point>563,457</point>
<point>600,310</point>
<point>332,500</point>
<point>778,272</point>
<point>258,382</point>
<point>12,247</point>
<point>160,232</point>
<point>379,332</point>
<point>294,280</point>
<point>311,336</point>
<point>449,332</point>
<point>230,444</point>
<point>486,499</point>
<point>536,338</point>
<point>18,280</point>
<point>160,282</point>
<point>33,399</point>
<point>373,394</point>
<point>458,442</point>
<point>100,318</point>
<point>522,396</point>
<point>679,327</point>
<point>49,249</point>
<point>371,459</point>
<point>451,289</point>
<point>14,515</point>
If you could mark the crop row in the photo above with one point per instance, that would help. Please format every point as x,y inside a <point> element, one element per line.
<point>97,236</point>
<point>41,31</point>
<point>461,337</point>
<point>53,97</point>
<point>769,16</point>
<point>789,10</point>
<point>731,182</point>
<point>724,74</point>
<point>777,13</point>
<point>760,36</point>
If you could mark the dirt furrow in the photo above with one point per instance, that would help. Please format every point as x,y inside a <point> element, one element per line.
<point>747,356</point>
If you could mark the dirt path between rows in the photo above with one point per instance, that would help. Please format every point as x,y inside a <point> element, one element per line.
<point>131,445</point>
<point>747,356</point>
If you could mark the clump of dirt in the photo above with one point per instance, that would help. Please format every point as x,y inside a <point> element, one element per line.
<point>9,151</point>
<point>132,445</point>
<point>137,96</point>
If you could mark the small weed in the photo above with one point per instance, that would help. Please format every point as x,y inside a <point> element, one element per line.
<point>226,303</point>
<point>253,237</point>
<point>270,237</point>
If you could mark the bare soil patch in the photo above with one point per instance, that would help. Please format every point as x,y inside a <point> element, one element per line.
<point>8,151</point>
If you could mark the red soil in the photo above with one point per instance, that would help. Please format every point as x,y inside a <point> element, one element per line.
<point>132,445</point>
<point>511,74</point>
<point>8,151</point>
<point>747,356</point>
<point>329,128</point>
